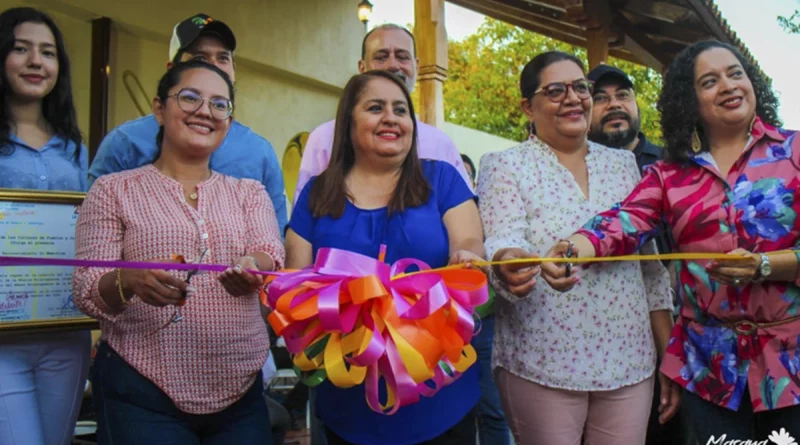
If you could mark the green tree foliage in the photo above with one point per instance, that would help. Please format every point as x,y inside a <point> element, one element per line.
<point>482,88</point>
<point>790,24</point>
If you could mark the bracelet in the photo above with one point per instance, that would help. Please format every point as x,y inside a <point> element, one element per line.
<point>125,301</point>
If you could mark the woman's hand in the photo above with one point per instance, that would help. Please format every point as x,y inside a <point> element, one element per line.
<point>670,398</point>
<point>468,258</point>
<point>735,272</point>
<point>561,276</point>
<point>238,281</point>
<point>518,278</point>
<point>155,287</point>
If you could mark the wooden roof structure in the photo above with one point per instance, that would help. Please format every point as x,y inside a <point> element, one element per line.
<point>648,32</point>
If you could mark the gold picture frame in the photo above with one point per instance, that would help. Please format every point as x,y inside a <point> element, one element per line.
<point>35,299</point>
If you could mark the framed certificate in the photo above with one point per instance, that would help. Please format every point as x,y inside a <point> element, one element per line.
<point>38,224</point>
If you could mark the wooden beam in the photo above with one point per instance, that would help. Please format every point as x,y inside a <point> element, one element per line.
<point>571,37</point>
<point>549,18</point>
<point>666,30</point>
<point>597,47</point>
<point>709,20</point>
<point>98,95</point>
<point>646,58</point>
<point>641,39</point>
<point>431,36</point>
<point>659,10</point>
<point>544,11</point>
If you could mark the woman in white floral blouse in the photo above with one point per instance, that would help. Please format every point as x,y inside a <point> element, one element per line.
<point>580,363</point>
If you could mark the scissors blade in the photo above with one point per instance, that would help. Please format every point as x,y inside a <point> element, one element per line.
<point>194,272</point>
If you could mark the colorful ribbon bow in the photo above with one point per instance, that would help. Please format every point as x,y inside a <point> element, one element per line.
<point>353,319</point>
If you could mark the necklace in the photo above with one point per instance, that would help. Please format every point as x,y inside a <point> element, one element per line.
<point>193,196</point>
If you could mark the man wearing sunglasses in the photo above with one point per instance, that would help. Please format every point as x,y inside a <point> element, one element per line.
<point>243,153</point>
<point>616,123</point>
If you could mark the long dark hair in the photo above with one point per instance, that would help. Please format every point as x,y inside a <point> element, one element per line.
<point>678,100</point>
<point>329,194</point>
<point>58,107</point>
<point>173,77</point>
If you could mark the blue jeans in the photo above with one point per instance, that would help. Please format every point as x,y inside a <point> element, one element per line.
<point>492,425</point>
<point>42,378</point>
<point>132,410</point>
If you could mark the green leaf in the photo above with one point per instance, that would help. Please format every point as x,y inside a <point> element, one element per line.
<point>783,382</point>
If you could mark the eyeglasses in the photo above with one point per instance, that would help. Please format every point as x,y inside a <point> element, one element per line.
<point>621,96</point>
<point>190,101</point>
<point>557,91</point>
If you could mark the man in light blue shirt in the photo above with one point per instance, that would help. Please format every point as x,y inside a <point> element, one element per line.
<point>243,153</point>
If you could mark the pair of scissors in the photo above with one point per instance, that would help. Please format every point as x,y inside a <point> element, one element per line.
<point>569,254</point>
<point>178,317</point>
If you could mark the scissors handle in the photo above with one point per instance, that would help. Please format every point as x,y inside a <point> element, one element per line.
<point>569,254</point>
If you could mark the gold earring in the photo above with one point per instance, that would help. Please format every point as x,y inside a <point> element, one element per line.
<point>697,145</point>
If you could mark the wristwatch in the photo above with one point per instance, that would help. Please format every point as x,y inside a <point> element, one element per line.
<point>765,269</point>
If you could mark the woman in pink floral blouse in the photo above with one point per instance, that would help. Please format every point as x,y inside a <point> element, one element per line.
<point>181,354</point>
<point>731,184</point>
<point>581,364</point>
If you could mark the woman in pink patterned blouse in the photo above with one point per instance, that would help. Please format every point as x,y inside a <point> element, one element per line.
<point>731,184</point>
<point>580,365</point>
<point>181,356</point>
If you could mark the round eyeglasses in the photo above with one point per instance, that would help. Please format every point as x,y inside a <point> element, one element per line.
<point>557,91</point>
<point>190,101</point>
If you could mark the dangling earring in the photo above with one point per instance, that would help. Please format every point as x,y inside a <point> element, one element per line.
<point>697,144</point>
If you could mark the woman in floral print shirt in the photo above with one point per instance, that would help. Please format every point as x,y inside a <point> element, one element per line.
<point>734,189</point>
<point>583,363</point>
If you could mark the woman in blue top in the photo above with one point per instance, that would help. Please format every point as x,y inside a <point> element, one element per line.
<point>42,377</point>
<point>377,191</point>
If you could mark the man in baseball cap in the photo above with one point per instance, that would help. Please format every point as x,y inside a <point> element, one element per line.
<point>616,123</point>
<point>202,37</point>
<point>243,153</point>
<point>615,114</point>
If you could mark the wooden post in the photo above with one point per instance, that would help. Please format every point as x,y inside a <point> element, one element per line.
<point>98,95</point>
<point>597,46</point>
<point>431,37</point>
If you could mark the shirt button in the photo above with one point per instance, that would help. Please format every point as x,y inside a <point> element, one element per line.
<point>43,177</point>
<point>204,236</point>
<point>200,222</point>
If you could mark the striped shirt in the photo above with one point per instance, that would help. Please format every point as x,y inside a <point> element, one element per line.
<point>208,361</point>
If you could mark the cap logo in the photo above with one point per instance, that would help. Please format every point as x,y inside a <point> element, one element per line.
<point>199,21</point>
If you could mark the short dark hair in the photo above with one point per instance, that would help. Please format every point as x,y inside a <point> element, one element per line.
<point>387,26</point>
<point>678,100</point>
<point>173,77</point>
<point>531,76</point>
<point>468,161</point>
<point>58,107</point>
<point>329,194</point>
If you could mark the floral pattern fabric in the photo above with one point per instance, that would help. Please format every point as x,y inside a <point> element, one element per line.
<point>598,335</point>
<point>754,207</point>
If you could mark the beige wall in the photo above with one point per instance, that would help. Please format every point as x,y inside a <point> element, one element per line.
<point>474,143</point>
<point>292,59</point>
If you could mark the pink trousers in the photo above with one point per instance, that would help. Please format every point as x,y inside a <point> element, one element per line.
<point>540,415</point>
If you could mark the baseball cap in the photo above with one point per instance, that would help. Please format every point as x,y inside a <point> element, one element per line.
<point>603,72</point>
<point>187,31</point>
